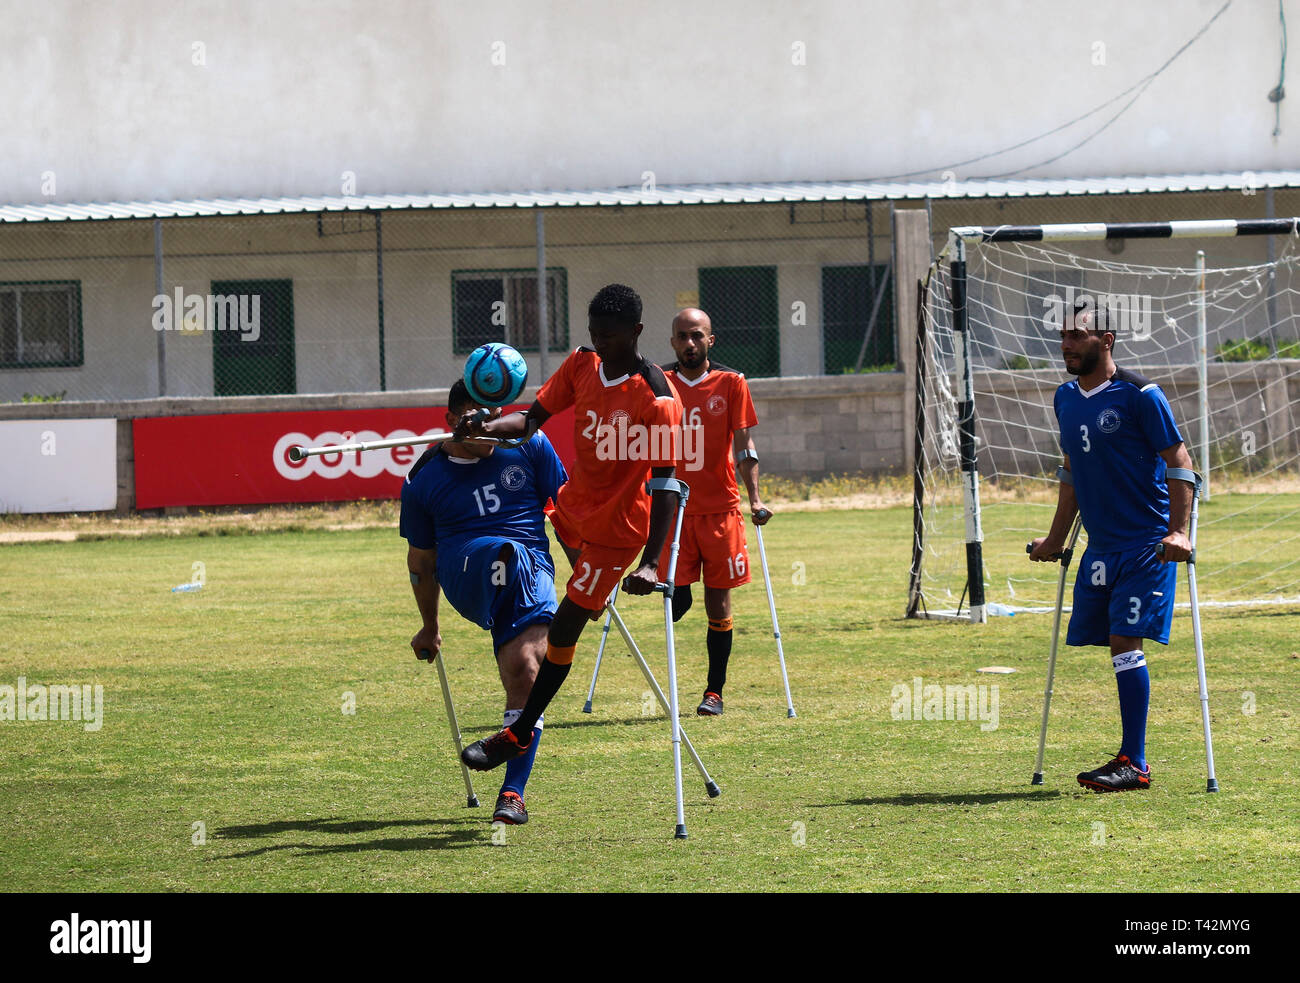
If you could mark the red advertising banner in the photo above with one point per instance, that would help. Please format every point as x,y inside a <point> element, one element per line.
<point>243,458</point>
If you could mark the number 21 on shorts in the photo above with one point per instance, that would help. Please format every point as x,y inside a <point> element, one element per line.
<point>582,582</point>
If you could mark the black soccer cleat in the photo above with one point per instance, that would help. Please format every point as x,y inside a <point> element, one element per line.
<point>711,706</point>
<point>1117,775</point>
<point>510,810</point>
<point>496,750</point>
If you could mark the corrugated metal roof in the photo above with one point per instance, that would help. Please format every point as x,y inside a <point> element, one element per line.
<point>686,194</point>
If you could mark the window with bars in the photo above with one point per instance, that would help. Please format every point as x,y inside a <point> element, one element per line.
<point>40,323</point>
<point>501,305</point>
<point>741,302</point>
<point>850,336</point>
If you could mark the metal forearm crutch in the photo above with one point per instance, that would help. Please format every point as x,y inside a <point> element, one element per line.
<point>1065,556</point>
<point>471,800</point>
<point>666,588</point>
<point>600,652</point>
<point>771,606</point>
<point>710,785</point>
<point>1194,479</point>
<point>298,453</point>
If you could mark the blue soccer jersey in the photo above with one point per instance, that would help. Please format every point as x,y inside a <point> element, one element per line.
<point>484,517</point>
<point>1113,436</point>
<point>448,502</point>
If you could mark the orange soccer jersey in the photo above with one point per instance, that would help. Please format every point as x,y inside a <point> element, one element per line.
<point>621,429</point>
<point>719,403</point>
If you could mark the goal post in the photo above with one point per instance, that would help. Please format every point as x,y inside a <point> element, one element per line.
<point>1221,336</point>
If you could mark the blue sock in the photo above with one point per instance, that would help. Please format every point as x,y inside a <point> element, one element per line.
<point>1134,696</point>
<point>518,769</point>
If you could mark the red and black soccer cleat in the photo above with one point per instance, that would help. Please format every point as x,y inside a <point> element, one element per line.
<point>510,809</point>
<point>496,750</point>
<point>711,706</point>
<point>1117,775</point>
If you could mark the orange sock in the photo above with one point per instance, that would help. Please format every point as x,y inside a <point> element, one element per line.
<point>560,655</point>
<point>719,624</point>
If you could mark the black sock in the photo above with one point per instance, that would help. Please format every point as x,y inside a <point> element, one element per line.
<point>719,642</point>
<point>550,677</point>
<point>681,602</point>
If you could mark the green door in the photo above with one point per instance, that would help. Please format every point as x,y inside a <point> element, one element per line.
<point>741,303</point>
<point>847,302</point>
<point>252,338</point>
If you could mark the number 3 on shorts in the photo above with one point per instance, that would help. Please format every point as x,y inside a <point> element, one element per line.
<point>1135,610</point>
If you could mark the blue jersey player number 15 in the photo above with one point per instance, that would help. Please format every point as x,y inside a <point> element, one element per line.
<point>472,516</point>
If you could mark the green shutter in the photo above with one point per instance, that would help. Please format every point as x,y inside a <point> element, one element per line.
<point>242,366</point>
<point>742,305</point>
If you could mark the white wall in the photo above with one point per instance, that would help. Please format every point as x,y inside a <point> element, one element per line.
<point>106,101</point>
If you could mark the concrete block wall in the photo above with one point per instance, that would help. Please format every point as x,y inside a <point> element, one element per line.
<point>829,424</point>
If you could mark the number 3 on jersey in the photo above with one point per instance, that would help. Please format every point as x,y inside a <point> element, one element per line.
<point>1083,436</point>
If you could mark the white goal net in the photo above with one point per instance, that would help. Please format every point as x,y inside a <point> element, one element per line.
<point>1221,343</point>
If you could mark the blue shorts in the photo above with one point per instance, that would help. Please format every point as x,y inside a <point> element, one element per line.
<point>1130,593</point>
<point>499,585</point>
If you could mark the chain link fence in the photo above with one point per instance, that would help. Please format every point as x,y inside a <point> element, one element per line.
<point>393,300</point>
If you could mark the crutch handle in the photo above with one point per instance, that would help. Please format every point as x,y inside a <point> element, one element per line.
<point>1064,555</point>
<point>425,656</point>
<point>1160,551</point>
<point>763,514</point>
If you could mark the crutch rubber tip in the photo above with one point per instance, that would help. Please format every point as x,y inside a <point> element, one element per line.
<point>789,714</point>
<point>1038,778</point>
<point>295,453</point>
<point>680,834</point>
<point>471,802</point>
<point>586,707</point>
<point>712,788</point>
<point>1212,785</point>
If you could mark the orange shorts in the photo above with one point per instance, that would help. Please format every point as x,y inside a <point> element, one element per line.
<point>598,568</point>
<point>715,542</point>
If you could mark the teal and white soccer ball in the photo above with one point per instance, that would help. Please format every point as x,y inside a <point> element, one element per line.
<point>495,374</point>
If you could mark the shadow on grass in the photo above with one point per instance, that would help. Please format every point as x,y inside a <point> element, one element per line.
<point>936,798</point>
<point>458,833</point>
<point>659,719</point>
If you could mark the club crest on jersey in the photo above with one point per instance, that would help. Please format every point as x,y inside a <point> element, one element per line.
<point>513,478</point>
<point>717,405</point>
<point>1108,420</point>
<point>618,415</point>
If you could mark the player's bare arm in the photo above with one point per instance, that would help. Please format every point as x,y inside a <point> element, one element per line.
<point>510,425</point>
<point>423,566</point>
<point>662,505</point>
<point>1177,546</point>
<point>1067,506</point>
<point>743,441</point>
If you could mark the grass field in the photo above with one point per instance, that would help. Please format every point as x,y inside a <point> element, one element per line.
<point>225,708</point>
